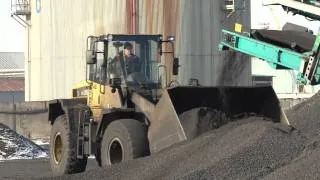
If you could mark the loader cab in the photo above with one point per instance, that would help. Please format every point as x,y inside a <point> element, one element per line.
<point>107,62</point>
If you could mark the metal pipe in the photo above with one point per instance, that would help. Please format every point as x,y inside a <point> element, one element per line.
<point>11,70</point>
<point>14,120</point>
<point>11,75</point>
<point>136,16</point>
<point>18,20</point>
<point>8,73</point>
<point>133,16</point>
<point>129,16</point>
<point>29,63</point>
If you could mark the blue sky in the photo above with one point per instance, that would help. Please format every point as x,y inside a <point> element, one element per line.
<point>12,34</point>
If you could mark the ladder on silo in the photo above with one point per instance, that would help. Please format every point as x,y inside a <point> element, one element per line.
<point>229,6</point>
<point>21,11</point>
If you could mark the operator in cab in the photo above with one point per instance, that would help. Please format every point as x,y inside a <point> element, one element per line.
<point>126,64</point>
<point>132,66</point>
<point>131,61</point>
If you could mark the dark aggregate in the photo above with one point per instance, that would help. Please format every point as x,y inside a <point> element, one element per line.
<point>305,116</point>
<point>244,149</point>
<point>249,148</point>
<point>200,120</point>
<point>31,168</point>
<point>305,166</point>
<point>19,143</point>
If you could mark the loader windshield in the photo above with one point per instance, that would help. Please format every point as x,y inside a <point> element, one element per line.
<point>136,62</point>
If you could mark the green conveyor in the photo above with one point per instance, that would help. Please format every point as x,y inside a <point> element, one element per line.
<point>277,57</point>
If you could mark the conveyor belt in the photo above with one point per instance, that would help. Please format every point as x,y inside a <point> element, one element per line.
<point>296,40</point>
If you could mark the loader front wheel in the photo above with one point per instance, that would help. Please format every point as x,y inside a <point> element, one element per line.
<point>63,152</point>
<point>124,140</point>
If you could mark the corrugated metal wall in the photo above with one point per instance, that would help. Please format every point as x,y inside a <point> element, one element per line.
<point>58,32</point>
<point>159,17</point>
<point>197,26</point>
<point>199,34</point>
<point>58,39</point>
<point>14,96</point>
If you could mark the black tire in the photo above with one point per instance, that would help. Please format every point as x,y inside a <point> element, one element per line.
<point>63,149</point>
<point>128,139</point>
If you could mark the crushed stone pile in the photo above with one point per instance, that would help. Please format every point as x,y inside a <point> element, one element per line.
<point>305,166</point>
<point>245,149</point>
<point>250,148</point>
<point>305,117</point>
<point>15,146</point>
<point>200,120</point>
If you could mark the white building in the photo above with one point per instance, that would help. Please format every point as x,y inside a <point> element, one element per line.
<point>11,76</point>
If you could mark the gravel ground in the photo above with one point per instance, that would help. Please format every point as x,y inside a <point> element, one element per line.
<point>243,149</point>
<point>305,166</point>
<point>15,146</point>
<point>305,117</point>
<point>24,169</point>
<point>31,168</point>
<point>250,148</point>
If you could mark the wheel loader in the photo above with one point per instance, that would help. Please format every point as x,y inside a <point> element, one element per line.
<point>118,115</point>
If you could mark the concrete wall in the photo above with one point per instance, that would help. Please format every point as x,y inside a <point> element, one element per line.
<point>15,96</point>
<point>28,119</point>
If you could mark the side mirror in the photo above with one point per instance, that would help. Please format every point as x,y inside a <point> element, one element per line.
<point>91,57</point>
<point>175,69</point>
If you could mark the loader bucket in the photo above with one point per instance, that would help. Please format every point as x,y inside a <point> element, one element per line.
<point>167,127</point>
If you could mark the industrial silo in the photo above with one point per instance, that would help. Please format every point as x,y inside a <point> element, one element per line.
<point>199,34</point>
<point>58,31</point>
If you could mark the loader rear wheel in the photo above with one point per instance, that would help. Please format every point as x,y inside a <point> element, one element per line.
<point>124,140</point>
<point>63,152</point>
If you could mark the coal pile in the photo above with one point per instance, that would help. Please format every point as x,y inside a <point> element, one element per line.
<point>15,146</point>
